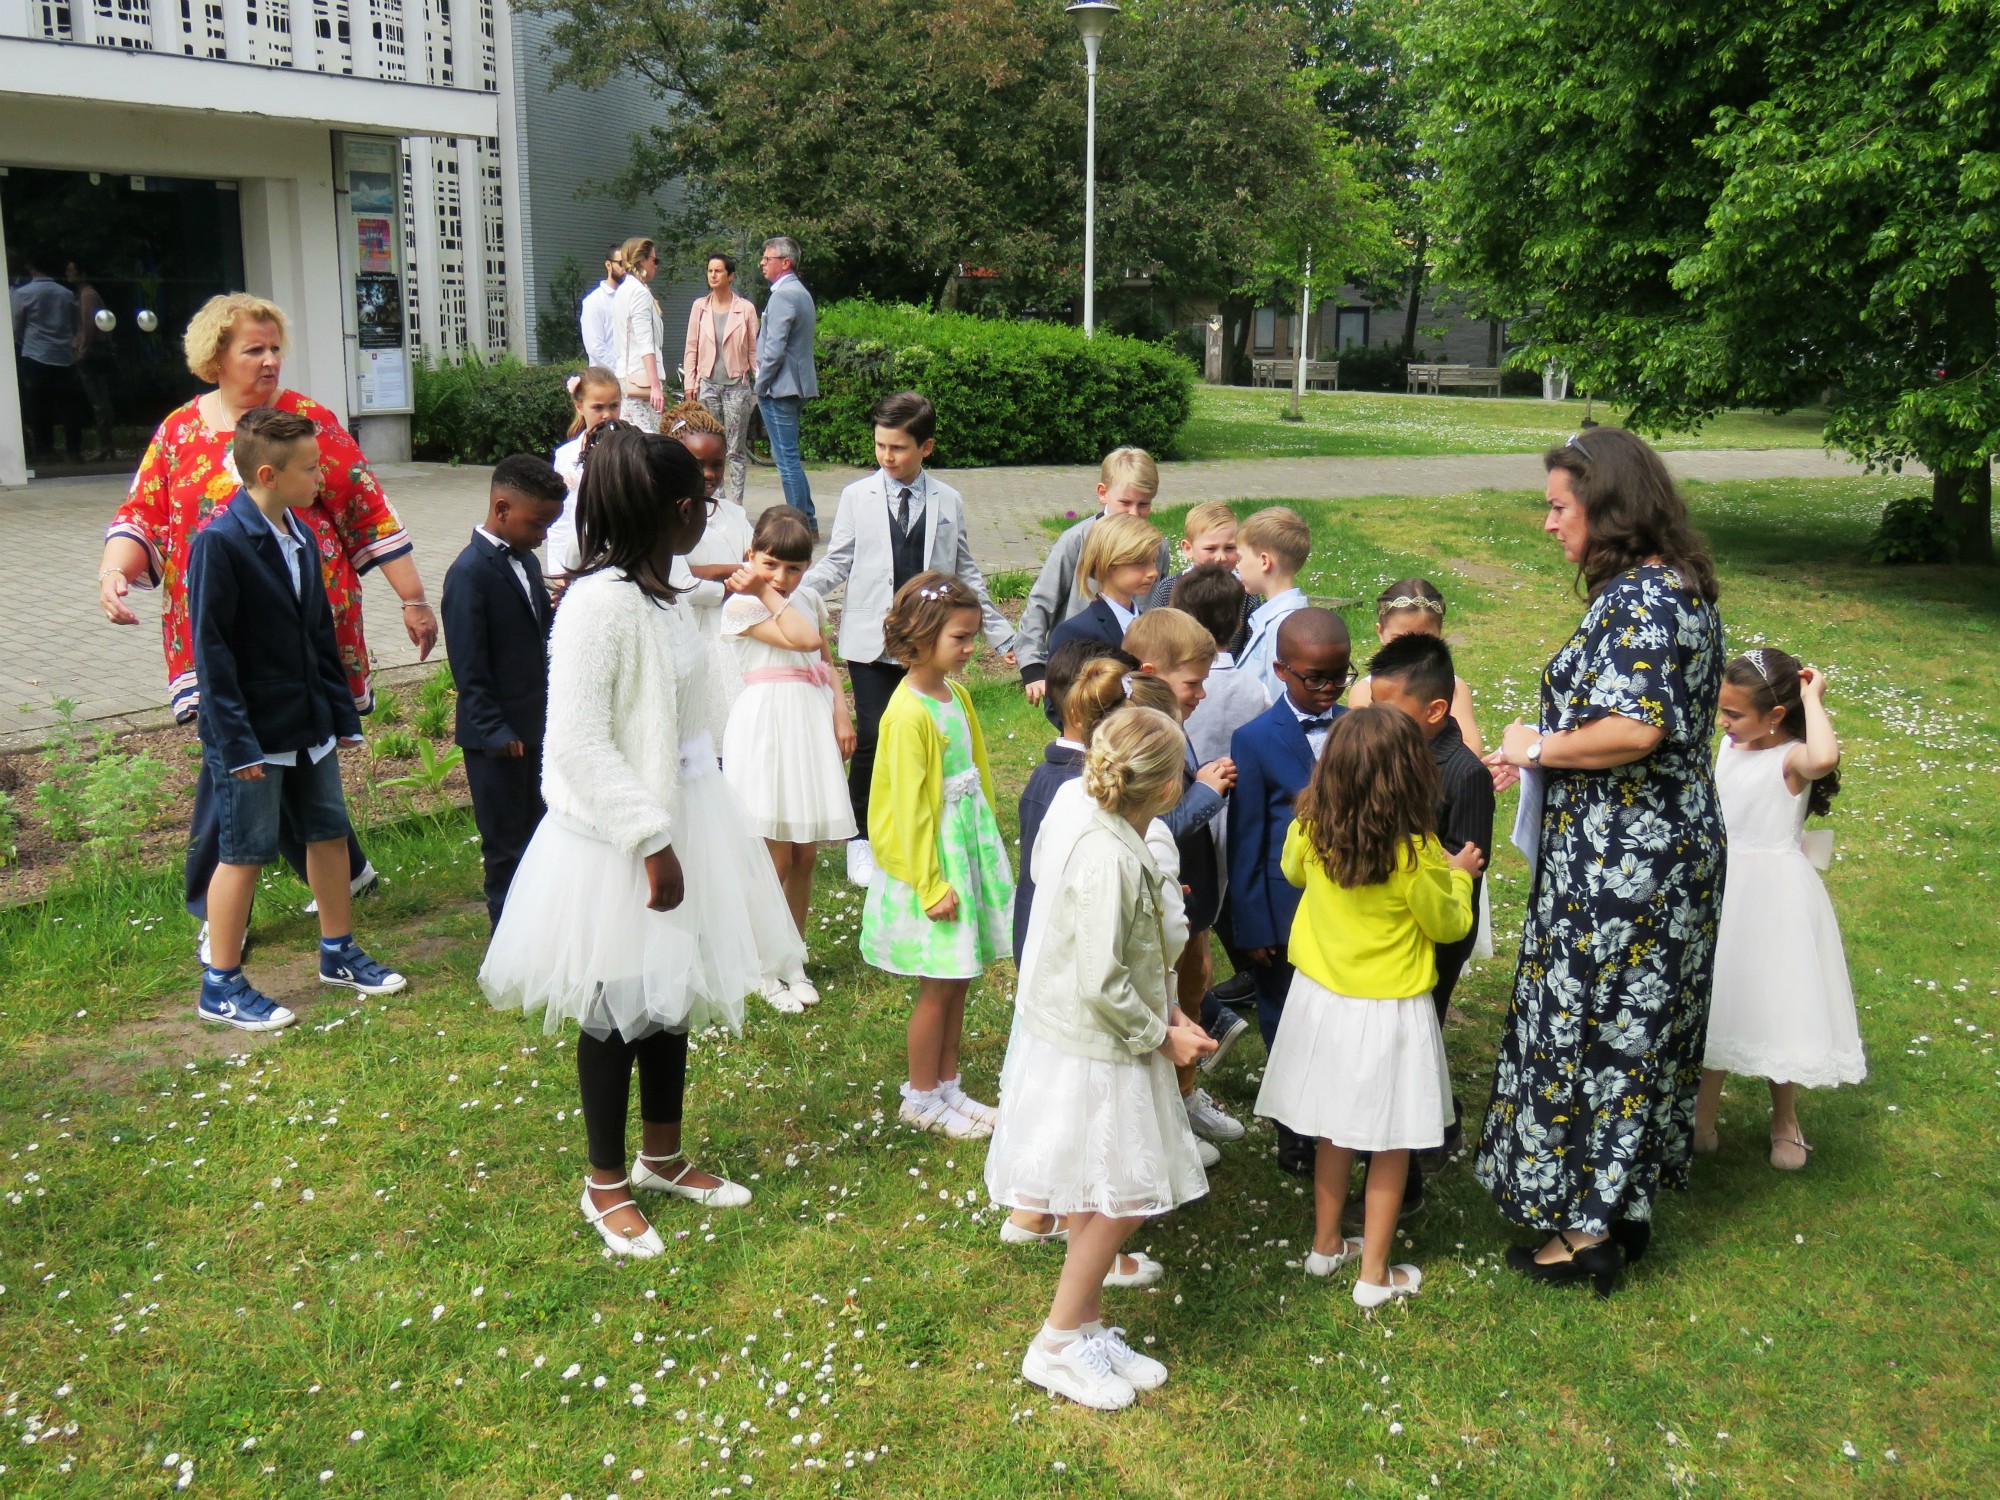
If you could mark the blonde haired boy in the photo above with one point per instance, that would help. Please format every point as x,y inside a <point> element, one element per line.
<point>1127,482</point>
<point>1271,550</point>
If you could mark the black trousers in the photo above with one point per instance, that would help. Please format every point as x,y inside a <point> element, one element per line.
<point>205,851</point>
<point>874,683</point>
<point>1452,959</point>
<point>506,806</point>
<point>604,1079</point>
<point>50,395</point>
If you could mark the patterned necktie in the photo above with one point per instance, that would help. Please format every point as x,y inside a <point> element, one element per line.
<point>903,511</point>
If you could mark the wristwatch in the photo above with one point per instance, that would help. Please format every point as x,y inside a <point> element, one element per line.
<point>1535,752</point>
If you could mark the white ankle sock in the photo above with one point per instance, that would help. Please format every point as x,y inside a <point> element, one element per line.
<point>1091,1329</point>
<point>1056,1339</point>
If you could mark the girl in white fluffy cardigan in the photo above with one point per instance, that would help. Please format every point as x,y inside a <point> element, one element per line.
<point>643,908</point>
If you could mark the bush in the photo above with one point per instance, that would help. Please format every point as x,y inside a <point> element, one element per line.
<point>1910,532</point>
<point>478,411</point>
<point>1376,369</point>
<point>1006,392</point>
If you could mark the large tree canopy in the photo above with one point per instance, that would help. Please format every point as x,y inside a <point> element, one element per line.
<point>1720,203</point>
<point>898,141</point>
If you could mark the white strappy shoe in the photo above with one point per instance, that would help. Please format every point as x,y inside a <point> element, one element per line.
<point>638,1247</point>
<point>1326,1265</point>
<point>647,1178</point>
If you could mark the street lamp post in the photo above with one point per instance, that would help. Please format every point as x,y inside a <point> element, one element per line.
<point>1093,19</point>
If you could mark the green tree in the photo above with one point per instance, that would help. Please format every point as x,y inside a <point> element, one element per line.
<point>1716,204</point>
<point>899,141</point>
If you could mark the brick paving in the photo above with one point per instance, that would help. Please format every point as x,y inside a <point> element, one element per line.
<point>54,642</point>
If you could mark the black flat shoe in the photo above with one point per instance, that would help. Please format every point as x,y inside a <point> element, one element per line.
<point>1632,1236</point>
<point>1598,1264</point>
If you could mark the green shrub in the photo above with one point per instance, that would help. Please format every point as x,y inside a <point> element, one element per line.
<point>388,708</point>
<point>558,333</point>
<point>10,828</point>
<point>1006,392</point>
<point>1011,583</point>
<point>62,796</point>
<point>478,411</point>
<point>393,744</point>
<point>432,718</point>
<point>121,800</point>
<point>1376,369</point>
<point>1910,532</point>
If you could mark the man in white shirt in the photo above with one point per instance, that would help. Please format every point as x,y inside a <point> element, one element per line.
<point>600,343</point>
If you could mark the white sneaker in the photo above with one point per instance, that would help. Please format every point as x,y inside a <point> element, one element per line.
<point>778,995</point>
<point>201,945</point>
<point>1145,1271</point>
<point>355,887</point>
<point>1210,1157</point>
<point>965,1104</point>
<point>1080,1370</point>
<point>860,863</point>
<point>1208,1120</point>
<point>1140,1371</point>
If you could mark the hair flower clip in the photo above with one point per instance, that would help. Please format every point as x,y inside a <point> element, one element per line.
<point>931,593</point>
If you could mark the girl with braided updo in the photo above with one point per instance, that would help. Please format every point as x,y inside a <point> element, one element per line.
<point>1782,1007</point>
<point>938,904</point>
<point>1091,1125</point>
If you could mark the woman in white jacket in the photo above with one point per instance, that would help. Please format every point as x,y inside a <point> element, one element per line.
<point>1091,1124</point>
<point>646,909</point>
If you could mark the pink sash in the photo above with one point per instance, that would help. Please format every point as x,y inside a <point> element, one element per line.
<point>819,674</point>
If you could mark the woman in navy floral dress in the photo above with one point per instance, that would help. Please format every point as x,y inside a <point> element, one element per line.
<point>1600,1057</point>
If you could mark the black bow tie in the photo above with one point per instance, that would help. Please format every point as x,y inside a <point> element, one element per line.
<point>519,554</point>
<point>1324,721</point>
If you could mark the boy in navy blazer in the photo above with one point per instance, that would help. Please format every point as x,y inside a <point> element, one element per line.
<point>274,704</point>
<point>496,627</point>
<point>1274,754</point>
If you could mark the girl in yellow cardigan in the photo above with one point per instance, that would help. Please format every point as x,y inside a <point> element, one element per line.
<point>939,907</point>
<point>1358,1062</point>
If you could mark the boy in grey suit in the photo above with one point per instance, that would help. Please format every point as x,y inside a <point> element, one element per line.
<point>898,522</point>
<point>786,378</point>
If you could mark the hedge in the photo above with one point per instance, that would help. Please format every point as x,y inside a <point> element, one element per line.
<point>1006,392</point>
<point>478,411</point>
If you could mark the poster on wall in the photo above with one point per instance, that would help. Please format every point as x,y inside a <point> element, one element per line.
<point>374,243</point>
<point>372,247</point>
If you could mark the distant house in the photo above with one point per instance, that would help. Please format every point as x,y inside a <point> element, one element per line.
<point>1346,318</point>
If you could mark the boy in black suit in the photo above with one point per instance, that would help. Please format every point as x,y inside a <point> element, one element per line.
<point>496,625</point>
<point>274,704</point>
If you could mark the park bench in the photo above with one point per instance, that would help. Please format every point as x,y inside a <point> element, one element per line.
<point>1285,372</point>
<point>1439,378</point>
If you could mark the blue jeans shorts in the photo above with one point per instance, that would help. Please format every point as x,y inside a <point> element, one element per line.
<point>306,797</point>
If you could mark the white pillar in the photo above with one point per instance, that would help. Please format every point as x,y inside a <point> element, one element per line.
<point>472,214</point>
<point>305,36</point>
<point>361,34</point>
<point>13,441</point>
<point>423,211</point>
<point>513,182</point>
<point>83,21</point>
<point>165,16</point>
<point>235,31</point>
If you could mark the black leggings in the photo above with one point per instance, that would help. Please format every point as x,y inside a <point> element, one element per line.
<point>604,1078</point>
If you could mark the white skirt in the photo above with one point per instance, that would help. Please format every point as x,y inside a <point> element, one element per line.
<point>1366,1074</point>
<point>577,942</point>
<point>1079,1135</point>
<point>783,761</point>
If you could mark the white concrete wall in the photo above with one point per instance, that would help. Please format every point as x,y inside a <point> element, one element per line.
<point>285,177</point>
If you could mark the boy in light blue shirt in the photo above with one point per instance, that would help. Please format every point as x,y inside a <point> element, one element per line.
<point>1271,550</point>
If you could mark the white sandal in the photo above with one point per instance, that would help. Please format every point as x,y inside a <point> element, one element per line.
<point>725,1194</point>
<point>638,1247</point>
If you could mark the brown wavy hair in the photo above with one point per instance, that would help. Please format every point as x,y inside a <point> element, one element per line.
<point>922,608</point>
<point>1633,509</point>
<point>1374,790</point>
<point>1771,678</point>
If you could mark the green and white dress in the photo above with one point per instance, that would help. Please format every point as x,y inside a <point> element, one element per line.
<point>896,936</point>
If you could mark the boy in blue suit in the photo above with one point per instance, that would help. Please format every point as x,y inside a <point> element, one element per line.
<point>1274,754</point>
<point>274,703</point>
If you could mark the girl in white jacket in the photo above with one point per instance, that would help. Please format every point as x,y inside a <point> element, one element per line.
<point>646,907</point>
<point>1091,1124</point>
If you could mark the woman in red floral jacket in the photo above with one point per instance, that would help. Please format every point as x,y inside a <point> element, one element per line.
<point>238,342</point>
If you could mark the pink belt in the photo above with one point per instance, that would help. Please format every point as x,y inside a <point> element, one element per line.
<point>819,674</point>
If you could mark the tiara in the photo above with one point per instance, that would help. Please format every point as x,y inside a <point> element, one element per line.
<point>1126,683</point>
<point>1411,601</point>
<point>1756,659</point>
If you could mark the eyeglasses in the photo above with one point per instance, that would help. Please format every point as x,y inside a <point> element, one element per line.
<point>1576,442</point>
<point>1315,682</point>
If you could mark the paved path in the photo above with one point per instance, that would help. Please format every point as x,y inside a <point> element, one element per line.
<point>55,643</point>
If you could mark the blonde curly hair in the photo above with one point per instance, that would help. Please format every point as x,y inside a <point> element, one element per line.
<point>1134,761</point>
<point>214,325</point>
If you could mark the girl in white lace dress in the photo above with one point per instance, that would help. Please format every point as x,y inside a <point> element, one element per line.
<point>1090,1123</point>
<point>644,908</point>
<point>1783,1008</point>
<point>790,730</point>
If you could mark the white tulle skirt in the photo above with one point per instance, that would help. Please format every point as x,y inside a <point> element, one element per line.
<point>1080,1135</point>
<point>577,942</point>
<point>783,761</point>
<point>1367,1074</point>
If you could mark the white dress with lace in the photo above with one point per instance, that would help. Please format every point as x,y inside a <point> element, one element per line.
<point>780,752</point>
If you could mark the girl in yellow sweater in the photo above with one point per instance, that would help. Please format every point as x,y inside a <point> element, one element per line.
<point>1358,1062</point>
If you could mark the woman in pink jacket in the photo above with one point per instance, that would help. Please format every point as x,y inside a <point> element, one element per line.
<point>720,363</point>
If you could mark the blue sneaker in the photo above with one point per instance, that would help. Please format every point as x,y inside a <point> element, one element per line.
<point>357,971</point>
<point>236,1002</point>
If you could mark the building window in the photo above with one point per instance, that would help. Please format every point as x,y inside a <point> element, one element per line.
<point>1351,332</point>
<point>1264,330</point>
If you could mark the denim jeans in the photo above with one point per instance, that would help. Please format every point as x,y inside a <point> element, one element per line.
<point>781,426</point>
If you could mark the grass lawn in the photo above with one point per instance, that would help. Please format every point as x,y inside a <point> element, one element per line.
<point>1237,422</point>
<point>347,1259</point>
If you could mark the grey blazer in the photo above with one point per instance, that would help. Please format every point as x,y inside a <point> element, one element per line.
<point>785,342</point>
<point>860,558</point>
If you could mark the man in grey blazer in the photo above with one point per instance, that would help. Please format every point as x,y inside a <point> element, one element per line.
<point>785,375</point>
<point>898,522</point>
